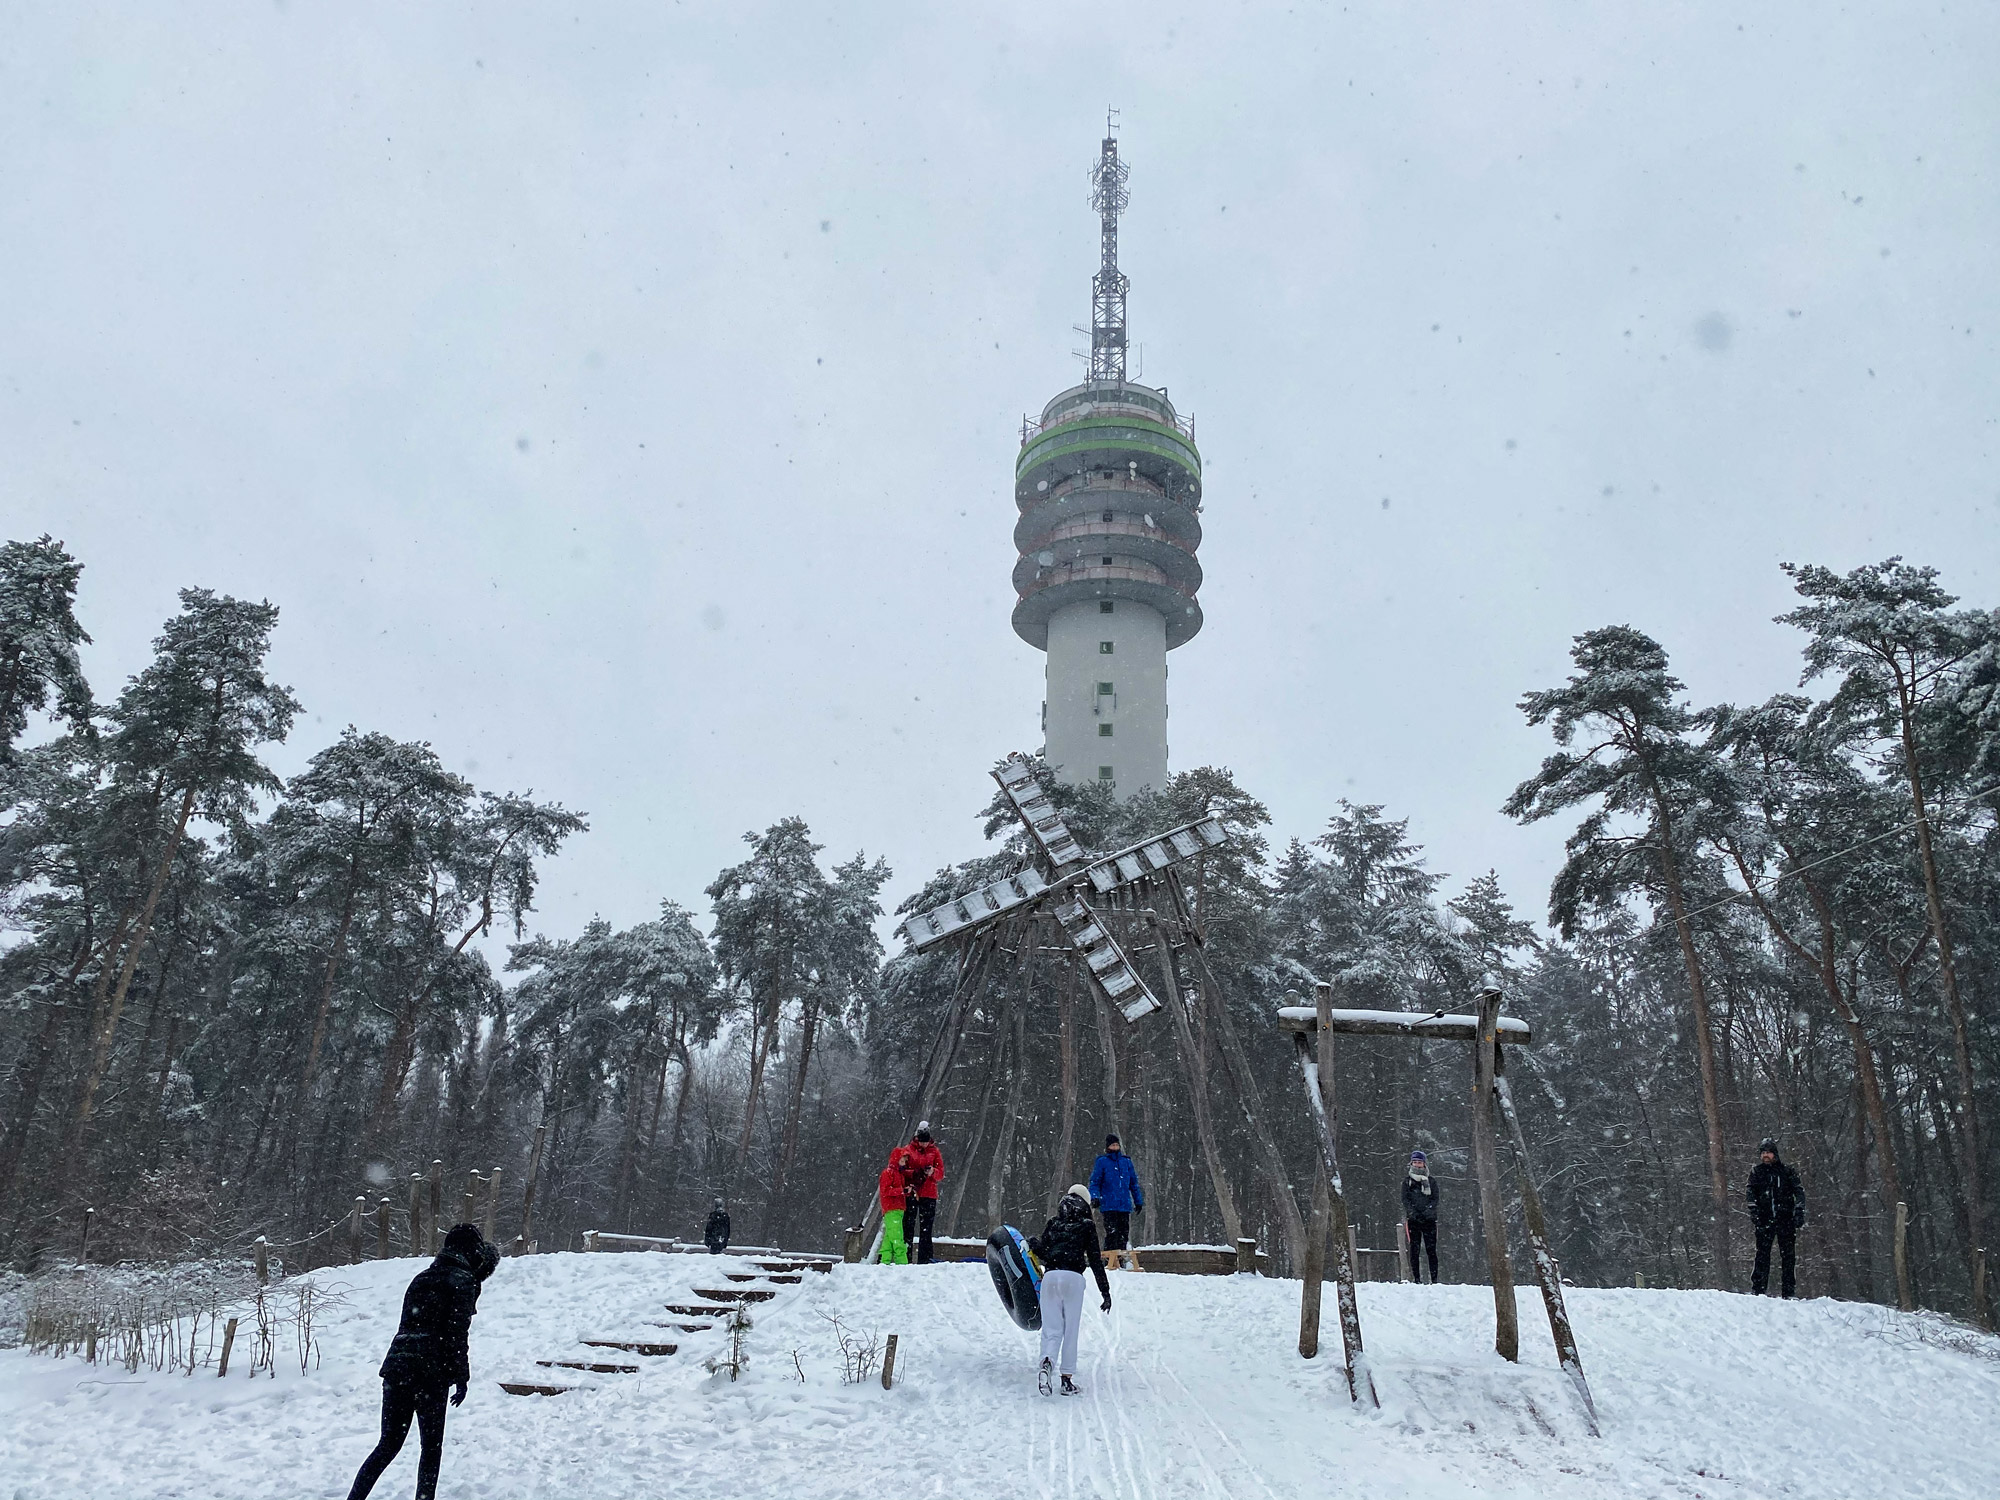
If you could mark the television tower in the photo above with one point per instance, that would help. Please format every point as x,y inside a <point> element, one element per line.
<point>1108,484</point>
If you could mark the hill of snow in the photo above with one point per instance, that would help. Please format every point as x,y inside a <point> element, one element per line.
<point>1192,1387</point>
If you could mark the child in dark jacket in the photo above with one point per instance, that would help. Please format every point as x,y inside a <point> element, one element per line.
<point>427,1356</point>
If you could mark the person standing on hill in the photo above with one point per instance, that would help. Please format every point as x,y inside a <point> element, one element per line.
<point>427,1358</point>
<point>1115,1193</point>
<point>927,1167</point>
<point>892,1190</point>
<point>715,1233</point>
<point>1420,1214</point>
<point>1067,1247</point>
<point>1777,1202</point>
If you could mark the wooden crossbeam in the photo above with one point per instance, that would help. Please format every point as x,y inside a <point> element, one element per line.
<point>1417,1024</point>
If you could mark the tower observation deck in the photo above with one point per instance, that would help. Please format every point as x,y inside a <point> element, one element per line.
<point>1108,485</point>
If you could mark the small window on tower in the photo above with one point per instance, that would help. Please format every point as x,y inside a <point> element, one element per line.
<point>1104,731</point>
<point>1104,773</point>
<point>1107,562</point>
<point>1104,648</point>
<point>1105,690</point>
<point>1104,607</point>
<point>1107,518</point>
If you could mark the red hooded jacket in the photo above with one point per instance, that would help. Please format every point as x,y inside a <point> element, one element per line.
<point>926,1166</point>
<point>890,1187</point>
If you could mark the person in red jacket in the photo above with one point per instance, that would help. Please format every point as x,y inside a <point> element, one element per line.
<point>892,1187</point>
<point>927,1167</point>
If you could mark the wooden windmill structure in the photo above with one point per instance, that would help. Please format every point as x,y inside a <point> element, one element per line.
<point>1096,914</point>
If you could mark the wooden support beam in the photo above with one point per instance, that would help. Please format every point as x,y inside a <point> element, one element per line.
<point>1421,1025</point>
<point>1486,1165</point>
<point>1546,1270</point>
<point>1322,1204</point>
<point>1904,1299</point>
<point>1358,1377</point>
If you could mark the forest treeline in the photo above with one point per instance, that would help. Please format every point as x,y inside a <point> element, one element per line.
<point>231,1003</point>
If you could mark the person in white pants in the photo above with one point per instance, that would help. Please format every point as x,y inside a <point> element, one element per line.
<point>1067,1247</point>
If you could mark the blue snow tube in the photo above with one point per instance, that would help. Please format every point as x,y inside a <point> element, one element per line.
<point>1014,1276</point>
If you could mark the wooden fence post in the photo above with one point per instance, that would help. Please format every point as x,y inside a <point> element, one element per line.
<point>889,1364</point>
<point>228,1343</point>
<point>437,1206</point>
<point>1904,1298</point>
<point>851,1248</point>
<point>83,1251</point>
<point>1547,1272</point>
<point>354,1230</point>
<point>1402,1248</point>
<point>416,1213</point>
<point>470,1206</point>
<point>528,1193</point>
<point>1979,1299</point>
<point>492,1204</point>
<point>90,1345</point>
<point>1354,1251</point>
<point>381,1228</point>
<point>1246,1255</point>
<point>261,1250</point>
<point>1506,1319</point>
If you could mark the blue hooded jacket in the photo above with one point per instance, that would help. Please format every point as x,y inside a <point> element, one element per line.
<point>1114,1184</point>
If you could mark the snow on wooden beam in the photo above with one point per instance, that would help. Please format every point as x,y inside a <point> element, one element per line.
<point>1411,1023</point>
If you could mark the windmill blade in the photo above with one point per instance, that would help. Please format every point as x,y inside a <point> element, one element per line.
<point>1129,865</point>
<point>1016,775</point>
<point>963,915</point>
<point>1103,959</point>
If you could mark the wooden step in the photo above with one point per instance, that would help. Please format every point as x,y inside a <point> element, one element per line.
<point>772,1276</point>
<point>685,1327</point>
<point>630,1346</point>
<point>822,1266</point>
<point>584,1364</point>
<point>528,1388</point>
<point>731,1294</point>
<point>695,1310</point>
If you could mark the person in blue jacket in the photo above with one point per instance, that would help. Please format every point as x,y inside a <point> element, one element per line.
<point>1115,1193</point>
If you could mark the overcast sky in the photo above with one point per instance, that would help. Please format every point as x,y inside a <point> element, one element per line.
<point>625,398</point>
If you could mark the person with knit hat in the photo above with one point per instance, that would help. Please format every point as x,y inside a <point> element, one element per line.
<point>1777,1202</point>
<point>427,1357</point>
<point>1115,1193</point>
<point>926,1172</point>
<point>1067,1247</point>
<point>1420,1214</point>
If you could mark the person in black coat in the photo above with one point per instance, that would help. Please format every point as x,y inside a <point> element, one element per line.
<point>428,1356</point>
<point>715,1233</point>
<point>1067,1247</point>
<point>1777,1202</point>
<point>1420,1214</point>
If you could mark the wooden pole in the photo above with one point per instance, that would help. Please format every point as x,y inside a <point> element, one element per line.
<point>354,1230</point>
<point>1402,1249</point>
<point>1314,1270</point>
<point>416,1213</point>
<point>1904,1298</point>
<point>1506,1319</point>
<point>261,1252</point>
<point>528,1193</point>
<point>382,1229</point>
<point>1354,1248</point>
<point>1194,1065</point>
<point>889,1364</point>
<point>492,1205</point>
<point>228,1343</point>
<point>437,1206</point>
<point>469,1205</point>
<point>1546,1270</point>
<point>1358,1377</point>
<point>1246,1255</point>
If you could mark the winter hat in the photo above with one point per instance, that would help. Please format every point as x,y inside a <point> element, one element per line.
<point>1078,1190</point>
<point>464,1239</point>
<point>1111,1139</point>
<point>1418,1155</point>
<point>1767,1144</point>
<point>923,1130</point>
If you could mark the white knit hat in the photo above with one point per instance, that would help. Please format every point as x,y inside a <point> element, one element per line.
<point>1078,1190</point>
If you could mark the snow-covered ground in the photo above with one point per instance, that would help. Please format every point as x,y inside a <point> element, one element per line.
<point>1192,1387</point>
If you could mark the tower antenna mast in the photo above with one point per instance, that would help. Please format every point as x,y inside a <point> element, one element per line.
<point>1108,195</point>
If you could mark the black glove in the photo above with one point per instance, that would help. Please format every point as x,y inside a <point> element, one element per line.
<point>1107,1302</point>
<point>1799,1219</point>
<point>1138,1208</point>
<point>458,1394</point>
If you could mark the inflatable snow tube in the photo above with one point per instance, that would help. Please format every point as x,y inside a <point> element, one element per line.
<point>1015,1276</point>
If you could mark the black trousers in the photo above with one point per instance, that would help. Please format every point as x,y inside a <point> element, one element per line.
<point>918,1220</point>
<point>1117,1230</point>
<point>1788,1239</point>
<point>400,1402</point>
<point>1424,1234</point>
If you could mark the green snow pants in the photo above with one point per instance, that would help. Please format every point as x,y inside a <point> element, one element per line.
<point>894,1251</point>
